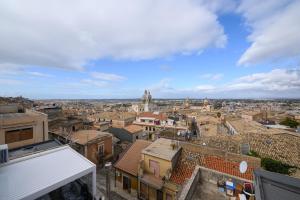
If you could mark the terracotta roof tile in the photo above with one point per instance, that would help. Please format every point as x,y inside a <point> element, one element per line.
<point>130,160</point>
<point>232,168</point>
<point>181,173</point>
<point>160,116</point>
<point>133,128</point>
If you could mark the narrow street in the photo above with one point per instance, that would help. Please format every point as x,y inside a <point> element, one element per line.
<point>101,186</point>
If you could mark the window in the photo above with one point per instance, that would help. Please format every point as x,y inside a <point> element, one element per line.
<point>126,184</point>
<point>101,149</point>
<point>159,195</point>
<point>154,167</point>
<point>168,196</point>
<point>18,135</point>
<point>146,128</point>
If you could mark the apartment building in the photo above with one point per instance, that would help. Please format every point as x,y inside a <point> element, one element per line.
<point>126,173</point>
<point>19,128</point>
<point>155,121</point>
<point>129,133</point>
<point>147,175</point>
<point>94,145</point>
<point>155,169</point>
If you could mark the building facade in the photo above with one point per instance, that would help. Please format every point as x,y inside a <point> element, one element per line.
<point>20,129</point>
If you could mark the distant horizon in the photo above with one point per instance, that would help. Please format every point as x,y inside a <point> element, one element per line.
<point>139,99</point>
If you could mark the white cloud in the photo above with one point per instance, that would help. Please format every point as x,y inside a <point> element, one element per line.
<point>162,86</point>
<point>277,83</point>
<point>39,74</point>
<point>275,80</point>
<point>10,69</point>
<point>69,34</point>
<point>205,88</point>
<point>13,70</point>
<point>214,77</point>
<point>107,76</point>
<point>275,30</point>
<point>4,81</point>
<point>91,82</point>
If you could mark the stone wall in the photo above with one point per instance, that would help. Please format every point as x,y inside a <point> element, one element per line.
<point>214,176</point>
<point>189,188</point>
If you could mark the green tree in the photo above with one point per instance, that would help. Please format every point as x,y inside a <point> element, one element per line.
<point>289,122</point>
<point>275,166</point>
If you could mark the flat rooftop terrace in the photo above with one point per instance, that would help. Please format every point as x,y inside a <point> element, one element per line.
<point>17,118</point>
<point>162,148</point>
<point>33,148</point>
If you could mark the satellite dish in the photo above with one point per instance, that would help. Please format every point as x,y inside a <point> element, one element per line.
<point>243,167</point>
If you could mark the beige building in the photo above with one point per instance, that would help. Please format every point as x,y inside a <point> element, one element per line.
<point>126,173</point>
<point>95,145</point>
<point>147,175</point>
<point>253,115</point>
<point>18,129</point>
<point>158,161</point>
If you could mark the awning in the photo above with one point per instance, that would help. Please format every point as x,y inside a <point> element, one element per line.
<point>33,176</point>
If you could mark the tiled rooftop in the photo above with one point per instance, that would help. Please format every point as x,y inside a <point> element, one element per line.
<point>129,162</point>
<point>232,168</point>
<point>85,136</point>
<point>160,116</point>
<point>181,173</point>
<point>133,128</point>
<point>189,159</point>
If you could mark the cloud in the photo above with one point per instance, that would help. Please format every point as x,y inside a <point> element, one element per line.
<point>39,74</point>
<point>70,34</point>
<point>4,81</point>
<point>277,83</point>
<point>274,29</point>
<point>205,88</point>
<point>107,77</point>
<point>13,70</point>
<point>275,80</point>
<point>214,77</point>
<point>162,86</point>
<point>10,69</point>
<point>90,82</point>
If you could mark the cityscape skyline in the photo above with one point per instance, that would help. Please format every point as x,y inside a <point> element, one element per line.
<point>196,49</point>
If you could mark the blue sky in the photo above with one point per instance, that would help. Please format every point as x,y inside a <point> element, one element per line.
<point>214,49</point>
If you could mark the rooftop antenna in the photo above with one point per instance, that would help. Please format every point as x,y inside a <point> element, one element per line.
<point>243,167</point>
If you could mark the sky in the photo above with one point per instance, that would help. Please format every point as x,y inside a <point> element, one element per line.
<point>96,49</point>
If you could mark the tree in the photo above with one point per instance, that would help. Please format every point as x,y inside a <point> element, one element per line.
<point>289,122</point>
<point>218,114</point>
<point>275,166</point>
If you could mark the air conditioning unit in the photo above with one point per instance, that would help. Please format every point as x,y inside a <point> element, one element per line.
<point>4,153</point>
